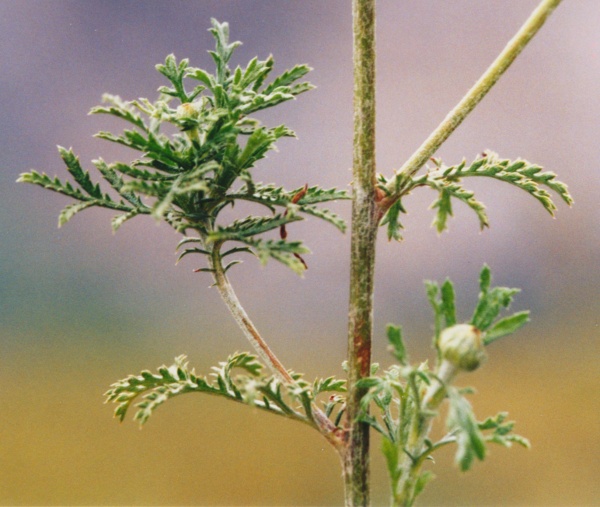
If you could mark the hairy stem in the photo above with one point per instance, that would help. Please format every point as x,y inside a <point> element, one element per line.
<point>229,297</point>
<point>246,325</point>
<point>362,261</point>
<point>473,96</point>
<point>415,449</point>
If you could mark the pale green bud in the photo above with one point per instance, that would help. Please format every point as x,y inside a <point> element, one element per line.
<point>188,114</point>
<point>462,345</point>
<point>187,111</point>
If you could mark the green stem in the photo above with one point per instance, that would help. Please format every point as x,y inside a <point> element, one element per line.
<point>362,262</point>
<point>415,448</point>
<point>243,320</point>
<point>472,98</point>
<point>229,297</point>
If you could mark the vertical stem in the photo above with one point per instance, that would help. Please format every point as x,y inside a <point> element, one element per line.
<point>362,262</point>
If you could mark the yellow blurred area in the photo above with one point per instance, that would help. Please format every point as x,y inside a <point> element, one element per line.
<point>60,445</point>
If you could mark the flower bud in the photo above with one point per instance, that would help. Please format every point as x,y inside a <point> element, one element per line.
<point>462,346</point>
<point>187,111</point>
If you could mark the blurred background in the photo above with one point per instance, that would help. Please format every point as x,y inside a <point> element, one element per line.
<point>81,307</point>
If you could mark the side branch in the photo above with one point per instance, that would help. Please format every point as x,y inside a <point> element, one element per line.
<point>323,423</point>
<point>471,99</point>
<point>243,320</point>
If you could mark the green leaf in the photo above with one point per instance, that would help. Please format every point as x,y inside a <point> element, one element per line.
<point>391,220</point>
<point>450,189</point>
<point>43,180</point>
<point>223,49</point>
<point>448,304</point>
<point>447,181</point>
<point>257,390</point>
<point>243,360</point>
<point>286,252</point>
<point>329,384</point>
<point>117,183</point>
<point>502,431</point>
<point>259,142</point>
<point>444,210</point>
<point>384,392</point>
<point>251,226</point>
<point>316,195</point>
<point>94,198</point>
<point>485,279</point>
<point>153,146</point>
<point>155,389</point>
<point>491,301</point>
<point>424,478</point>
<point>506,326</point>
<point>287,78</point>
<point>490,304</point>
<point>433,296</point>
<point>69,211</point>
<point>175,73</point>
<point>461,422</point>
<point>271,196</point>
<point>255,73</point>
<point>81,177</point>
<point>148,188</point>
<point>324,214</point>
<point>119,220</point>
<point>189,251</point>
<point>260,102</point>
<point>391,452</point>
<point>141,174</point>
<point>397,347</point>
<point>202,76</point>
<point>120,109</point>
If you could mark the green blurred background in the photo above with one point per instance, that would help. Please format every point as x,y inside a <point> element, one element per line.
<point>80,308</point>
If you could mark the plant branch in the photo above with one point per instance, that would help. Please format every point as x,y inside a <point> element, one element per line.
<point>415,448</point>
<point>323,423</point>
<point>362,261</point>
<point>243,320</point>
<point>470,100</point>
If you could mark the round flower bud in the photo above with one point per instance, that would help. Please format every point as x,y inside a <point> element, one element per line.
<point>462,346</point>
<point>187,111</point>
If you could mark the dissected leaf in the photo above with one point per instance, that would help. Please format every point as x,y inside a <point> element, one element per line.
<point>239,378</point>
<point>81,177</point>
<point>462,423</point>
<point>391,219</point>
<point>447,181</point>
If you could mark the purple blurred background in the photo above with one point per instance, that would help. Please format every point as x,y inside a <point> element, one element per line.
<point>81,308</point>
